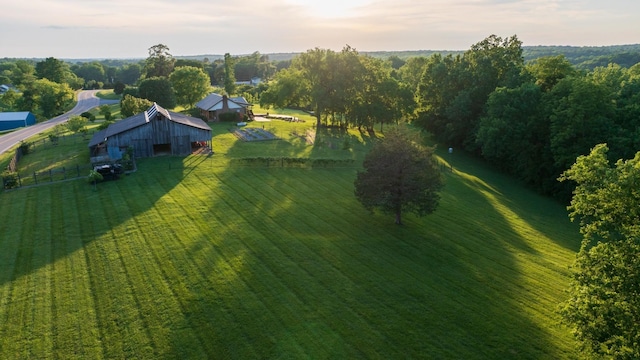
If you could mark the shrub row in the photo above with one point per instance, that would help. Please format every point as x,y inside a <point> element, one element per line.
<point>292,162</point>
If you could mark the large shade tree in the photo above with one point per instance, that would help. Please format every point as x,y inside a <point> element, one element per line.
<point>190,84</point>
<point>604,304</point>
<point>159,90</point>
<point>160,62</point>
<point>400,175</point>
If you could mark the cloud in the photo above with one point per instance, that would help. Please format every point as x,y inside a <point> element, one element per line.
<point>127,28</point>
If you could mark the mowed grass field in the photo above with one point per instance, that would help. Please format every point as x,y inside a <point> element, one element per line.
<point>192,258</point>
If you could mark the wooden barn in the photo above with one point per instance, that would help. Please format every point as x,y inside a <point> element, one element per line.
<point>156,131</point>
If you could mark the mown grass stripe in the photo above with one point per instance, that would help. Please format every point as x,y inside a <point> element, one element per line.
<point>314,187</point>
<point>296,255</point>
<point>280,314</point>
<point>165,312</point>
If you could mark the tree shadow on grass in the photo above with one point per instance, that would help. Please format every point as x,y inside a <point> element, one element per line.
<point>304,271</point>
<point>541,213</point>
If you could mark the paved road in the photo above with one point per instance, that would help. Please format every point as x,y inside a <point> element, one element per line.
<point>87,100</point>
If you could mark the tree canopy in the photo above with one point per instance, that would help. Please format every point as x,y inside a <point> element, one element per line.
<point>159,90</point>
<point>604,307</point>
<point>190,84</point>
<point>400,175</point>
<point>160,62</point>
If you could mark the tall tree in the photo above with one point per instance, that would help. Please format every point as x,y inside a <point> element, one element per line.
<point>130,105</point>
<point>129,74</point>
<point>288,89</point>
<point>400,175</point>
<point>549,70</point>
<point>190,84</point>
<point>229,75</point>
<point>159,90</point>
<point>453,91</point>
<point>51,69</point>
<point>582,115</point>
<point>160,62</point>
<point>604,307</point>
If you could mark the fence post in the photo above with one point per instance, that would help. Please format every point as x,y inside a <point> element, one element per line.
<point>19,180</point>
<point>64,173</point>
<point>50,175</point>
<point>35,177</point>
<point>78,167</point>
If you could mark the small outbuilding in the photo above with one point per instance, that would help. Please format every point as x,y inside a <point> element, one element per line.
<point>156,131</point>
<point>215,104</point>
<point>14,120</point>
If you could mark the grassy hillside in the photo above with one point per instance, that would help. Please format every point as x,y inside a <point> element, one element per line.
<point>193,258</point>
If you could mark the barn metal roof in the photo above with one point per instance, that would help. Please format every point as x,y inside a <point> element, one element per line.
<point>143,118</point>
<point>214,101</point>
<point>13,116</point>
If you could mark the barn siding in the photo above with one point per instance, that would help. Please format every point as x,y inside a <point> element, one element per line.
<point>160,131</point>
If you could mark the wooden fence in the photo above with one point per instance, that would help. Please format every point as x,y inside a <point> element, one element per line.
<point>17,180</point>
<point>13,164</point>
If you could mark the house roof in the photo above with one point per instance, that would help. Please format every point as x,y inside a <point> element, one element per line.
<point>143,118</point>
<point>215,101</point>
<point>13,116</point>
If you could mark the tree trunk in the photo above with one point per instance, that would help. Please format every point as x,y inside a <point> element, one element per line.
<point>318,117</point>
<point>398,217</point>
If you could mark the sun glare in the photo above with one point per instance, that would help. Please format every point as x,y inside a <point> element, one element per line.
<point>330,8</point>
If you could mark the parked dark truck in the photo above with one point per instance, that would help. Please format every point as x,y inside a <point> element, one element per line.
<point>109,171</point>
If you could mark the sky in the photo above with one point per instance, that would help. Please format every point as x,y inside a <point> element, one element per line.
<point>76,29</point>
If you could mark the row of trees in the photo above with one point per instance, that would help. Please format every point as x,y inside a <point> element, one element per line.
<point>45,88</point>
<point>530,120</point>
<point>343,88</point>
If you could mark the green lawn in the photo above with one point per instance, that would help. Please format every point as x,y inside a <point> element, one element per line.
<point>193,258</point>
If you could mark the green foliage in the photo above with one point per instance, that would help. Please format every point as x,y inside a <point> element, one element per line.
<point>52,69</point>
<point>190,84</point>
<point>94,177</point>
<point>399,176</point>
<point>105,110</point>
<point>549,70</point>
<point>229,117</point>
<point>130,105</point>
<point>606,199</point>
<point>229,75</point>
<point>89,116</point>
<point>9,180</point>
<point>129,73</point>
<point>160,62</point>
<point>25,147</point>
<point>604,308</point>
<point>54,138</point>
<point>118,88</point>
<point>158,90</point>
<point>454,91</point>
<point>105,124</point>
<point>76,124</point>
<point>46,97</point>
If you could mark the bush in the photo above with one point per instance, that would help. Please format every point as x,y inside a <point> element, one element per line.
<point>9,180</point>
<point>230,117</point>
<point>118,87</point>
<point>94,177</point>
<point>25,146</point>
<point>54,138</point>
<point>127,159</point>
<point>89,116</point>
<point>105,124</point>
